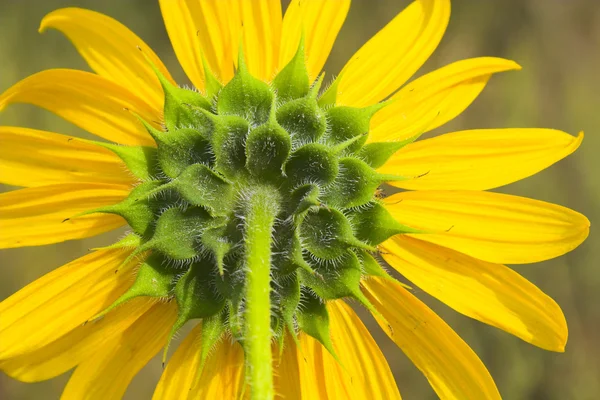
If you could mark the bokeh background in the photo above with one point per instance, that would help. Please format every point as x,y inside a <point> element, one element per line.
<point>558,44</point>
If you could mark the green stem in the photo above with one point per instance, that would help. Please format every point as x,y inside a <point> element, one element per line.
<point>260,217</point>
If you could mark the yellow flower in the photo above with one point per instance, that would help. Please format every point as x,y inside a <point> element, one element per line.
<point>445,233</point>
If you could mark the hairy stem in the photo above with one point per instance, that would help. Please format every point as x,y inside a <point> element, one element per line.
<point>262,209</point>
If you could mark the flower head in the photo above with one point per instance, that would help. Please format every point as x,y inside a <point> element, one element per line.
<point>255,209</point>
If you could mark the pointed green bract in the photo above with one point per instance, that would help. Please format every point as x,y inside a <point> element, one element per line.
<point>139,160</point>
<point>229,144</point>
<point>303,120</point>
<point>267,149</point>
<point>349,122</point>
<point>293,81</point>
<point>373,224</point>
<point>327,234</point>
<point>258,205</point>
<point>138,209</point>
<point>246,96</point>
<point>313,319</point>
<point>176,233</point>
<point>312,163</point>
<point>213,329</point>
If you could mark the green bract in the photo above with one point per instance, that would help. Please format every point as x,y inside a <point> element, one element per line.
<point>282,145</point>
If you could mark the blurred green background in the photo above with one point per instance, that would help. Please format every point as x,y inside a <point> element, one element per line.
<point>558,44</point>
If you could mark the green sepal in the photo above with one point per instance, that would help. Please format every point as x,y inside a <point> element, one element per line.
<point>288,292</point>
<point>302,199</point>
<point>293,82</point>
<point>327,234</point>
<point>216,241</point>
<point>138,209</point>
<point>373,224</point>
<point>201,186</point>
<point>129,241</point>
<point>229,144</point>
<point>139,160</point>
<point>212,86</point>
<point>236,321</point>
<point>267,149</point>
<point>176,233</point>
<point>349,122</point>
<point>179,104</point>
<point>313,93</point>
<point>303,119</point>
<point>312,163</point>
<point>329,97</point>
<point>230,286</point>
<point>355,185</point>
<point>246,96</point>
<point>378,153</point>
<point>195,297</point>
<point>371,267</point>
<point>313,319</point>
<point>213,329</point>
<point>336,281</point>
<point>182,148</point>
<point>287,254</point>
<point>154,279</point>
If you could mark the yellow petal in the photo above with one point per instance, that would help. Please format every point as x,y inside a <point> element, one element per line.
<point>35,158</point>
<point>210,28</point>
<point>87,100</point>
<point>108,372</point>
<point>286,374</point>
<point>363,371</point>
<point>451,367</point>
<point>479,159</point>
<point>435,98</point>
<point>76,346</point>
<point>111,50</point>
<point>311,372</point>
<point>223,374</point>
<point>319,21</point>
<point>180,373</point>
<point>493,227</point>
<point>60,301</point>
<point>43,215</point>
<point>394,54</point>
<point>261,35</point>
<point>491,293</point>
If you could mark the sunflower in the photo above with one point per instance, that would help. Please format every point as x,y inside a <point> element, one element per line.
<point>256,209</point>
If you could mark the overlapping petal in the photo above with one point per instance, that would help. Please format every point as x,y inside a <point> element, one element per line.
<point>111,50</point>
<point>310,372</point>
<point>261,36</point>
<point>286,374</point>
<point>362,371</point>
<point>494,227</point>
<point>60,301</point>
<point>75,347</point>
<point>491,293</point>
<point>179,375</point>
<point>89,101</point>
<point>435,98</point>
<point>394,54</point>
<point>223,374</point>
<point>451,367</point>
<point>109,371</point>
<point>479,159</point>
<point>45,214</point>
<point>319,21</point>
<point>209,29</point>
<point>36,158</point>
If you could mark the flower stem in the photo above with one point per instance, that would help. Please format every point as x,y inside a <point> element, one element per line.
<point>262,209</point>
